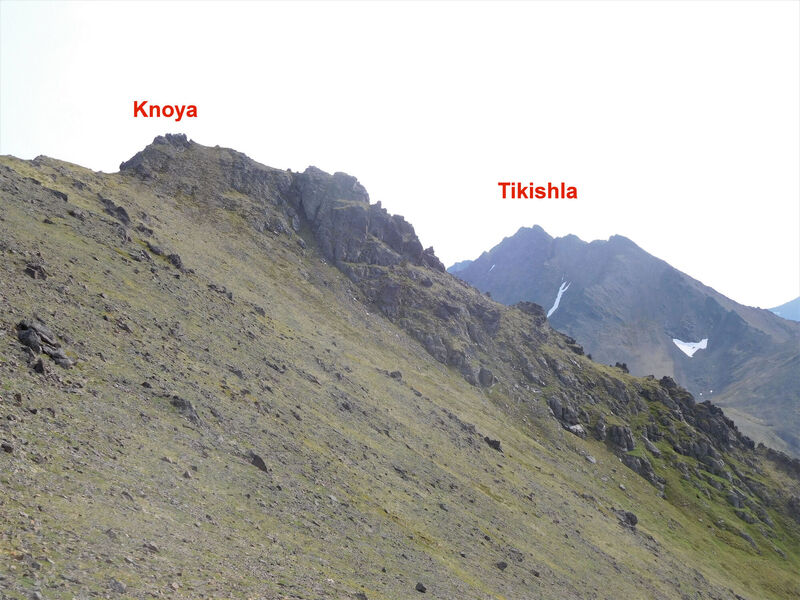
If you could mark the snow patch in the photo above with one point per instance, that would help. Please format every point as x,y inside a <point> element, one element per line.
<point>563,288</point>
<point>689,348</point>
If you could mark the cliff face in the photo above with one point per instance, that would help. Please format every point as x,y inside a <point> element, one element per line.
<point>336,208</point>
<point>207,358</point>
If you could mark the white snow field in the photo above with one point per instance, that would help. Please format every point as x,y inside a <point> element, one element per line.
<point>689,348</point>
<point>563,288</point>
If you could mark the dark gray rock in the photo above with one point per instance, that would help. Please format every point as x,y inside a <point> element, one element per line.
<point>495,444</point>
<point>745,516</point>
<point>577,429</point>
<point>35,271</point>
<point>600,429</point>
<point>55,353</point>
<point>44,332</point>
<point>641,466</point>
<point>258,462</point>
<point>485,377</point>
<point>746,537</point>
<point>351,230</point>
<point>621,436</point>
<point>29,338</point>
<point>555,405</point>
<point>533,309</point>
<point>186,408</point>
<point>735,499</point>
<point>652,448</point>
<point>115,211</point>
<point>175,261</point>
<point>390,299</point>
<point>420,588</point>
<point>627,518</point>
<point>653,432</point>
<point>56,193</point>
<point>530,373</point>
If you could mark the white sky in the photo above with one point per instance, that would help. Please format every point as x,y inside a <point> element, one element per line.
<point>679,122</point>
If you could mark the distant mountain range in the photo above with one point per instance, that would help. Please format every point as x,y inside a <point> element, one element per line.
<point>625,305</point>
<point>790,310</point>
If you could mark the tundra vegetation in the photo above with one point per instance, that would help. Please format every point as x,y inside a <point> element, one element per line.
<point>224,380</point>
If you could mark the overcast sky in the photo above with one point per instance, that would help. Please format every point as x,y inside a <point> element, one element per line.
<point>678,122</point>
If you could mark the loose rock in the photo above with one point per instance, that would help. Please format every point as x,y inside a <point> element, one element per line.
<point>493,443</point>
<point>35,271</point>
<point>627,518</point>
<point>257,461</point>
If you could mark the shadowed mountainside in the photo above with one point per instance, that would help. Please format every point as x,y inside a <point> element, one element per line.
<point>625,305</point>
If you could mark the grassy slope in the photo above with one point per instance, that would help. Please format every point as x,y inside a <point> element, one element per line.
<point>365,474</point>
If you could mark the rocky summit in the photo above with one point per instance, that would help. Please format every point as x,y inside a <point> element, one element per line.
<point>224,380</point>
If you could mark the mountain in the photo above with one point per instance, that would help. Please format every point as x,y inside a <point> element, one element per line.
<point>222,379</point>
<point>790,310</point>
<point>624,305</point>
<point>459,266</point>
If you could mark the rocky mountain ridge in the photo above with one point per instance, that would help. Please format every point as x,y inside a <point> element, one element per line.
<point>263,365</point>
<point>627,306</point>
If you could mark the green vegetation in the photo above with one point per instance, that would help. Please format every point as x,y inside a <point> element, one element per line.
<point>373,482</point>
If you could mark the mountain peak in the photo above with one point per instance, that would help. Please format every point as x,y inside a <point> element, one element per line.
<point>536,231</point>
<point>162,147</point>
<point>621,241</point>
<point>348,228</point>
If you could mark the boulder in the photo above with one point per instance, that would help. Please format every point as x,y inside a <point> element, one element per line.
<point>600,429</point>
<point>495,444</point>
<point>29,338</point>
<point>35,271</point>
<point>621,436</point>
<point>186,408</point>
<point>577,430</point>
<point>627,518</point>
<point>258,462</point>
